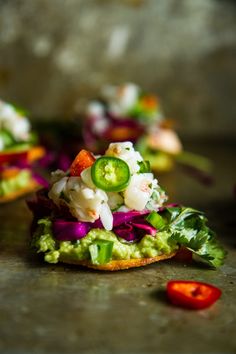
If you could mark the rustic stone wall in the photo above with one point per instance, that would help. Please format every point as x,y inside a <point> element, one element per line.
<point>56,54</point>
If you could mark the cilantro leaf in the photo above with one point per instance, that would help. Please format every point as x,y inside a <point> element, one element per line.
<point>144,166</point>
<point>184,214</point>
<point>210,253</point>
<point>173,212</point>
<point>188,228</point>
<point>190,238</point>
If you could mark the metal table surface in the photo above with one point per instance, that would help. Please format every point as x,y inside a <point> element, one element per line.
<point>65,309</point>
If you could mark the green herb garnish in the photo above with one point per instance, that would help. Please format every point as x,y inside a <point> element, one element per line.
<point>187,227</point>
<point>144,166</point>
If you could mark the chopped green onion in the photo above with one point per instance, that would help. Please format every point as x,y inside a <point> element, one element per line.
<point>144,166</point>
<point>156,220</point>
<point>101,251</point>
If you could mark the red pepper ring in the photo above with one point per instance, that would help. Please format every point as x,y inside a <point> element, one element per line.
<point>192,294</point>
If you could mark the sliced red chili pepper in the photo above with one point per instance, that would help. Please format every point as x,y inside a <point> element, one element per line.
<point>192,294</point>
<point>83,160</point>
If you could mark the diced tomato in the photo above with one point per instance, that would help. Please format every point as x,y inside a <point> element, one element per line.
<point>192,294</point>
<point>83,160</point>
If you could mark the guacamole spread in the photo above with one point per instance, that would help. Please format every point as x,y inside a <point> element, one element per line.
<point>10,185</point>
<point>148,246</point>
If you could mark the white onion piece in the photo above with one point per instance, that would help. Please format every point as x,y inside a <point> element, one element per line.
<point>106,217</point>
<point>56,190</point>
<point>86,177</point>
<point>139,191</point>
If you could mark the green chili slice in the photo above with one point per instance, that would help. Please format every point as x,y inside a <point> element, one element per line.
<point>110,174</point>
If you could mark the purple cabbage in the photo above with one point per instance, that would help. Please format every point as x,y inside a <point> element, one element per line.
<point>131,226</point>
<point>95,141</point>
<point>145,227</point>
<point>48,159</point>
<point>120,217</point>
<point>126,231</point>
<point>40,180</point>
<point>64,161</point>
<point>40,205</point>
<point>21,164</point>
<point>70,230</point>
<point>60,160</point>
<point>135,229</point>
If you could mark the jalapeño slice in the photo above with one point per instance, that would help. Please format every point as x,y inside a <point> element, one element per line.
<point>110,174</point>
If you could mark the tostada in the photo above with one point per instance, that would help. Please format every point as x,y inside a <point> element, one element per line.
<point>109,213</point>
<point>18,152</point>
<point>127,112</point>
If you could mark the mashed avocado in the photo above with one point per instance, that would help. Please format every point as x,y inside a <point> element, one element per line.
<point>13,184</point>
<point>149,246</point>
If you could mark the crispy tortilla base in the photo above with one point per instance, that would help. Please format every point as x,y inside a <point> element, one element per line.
<point>119,264</point>
<point>31,187</point>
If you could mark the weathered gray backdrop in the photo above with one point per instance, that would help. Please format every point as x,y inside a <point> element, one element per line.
<point>55,54</point>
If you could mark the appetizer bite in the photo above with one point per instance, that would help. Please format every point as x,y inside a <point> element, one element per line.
<point>18,152</point>
<point>126,112</point>
<point>108,212</point>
